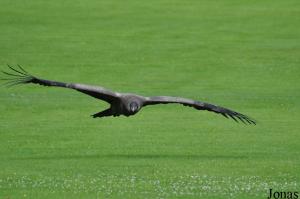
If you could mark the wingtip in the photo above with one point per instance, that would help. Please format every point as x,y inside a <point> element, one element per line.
<point>15,76</point>
<point>232,116</point>
<point>250,121</point>
<point>17,71</point>
<point>240,117</point>
<point>22,69</point>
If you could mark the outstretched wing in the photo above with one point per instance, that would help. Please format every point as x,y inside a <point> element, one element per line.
<point>199,106</point>
<point>20,76</point>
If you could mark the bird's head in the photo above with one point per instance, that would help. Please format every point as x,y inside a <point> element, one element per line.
<point>134,107</point>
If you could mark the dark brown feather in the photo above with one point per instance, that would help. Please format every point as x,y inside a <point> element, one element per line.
<point>199,106</point>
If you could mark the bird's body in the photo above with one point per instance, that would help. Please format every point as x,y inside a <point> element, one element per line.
<point>122,106</point>
<point>126,104</point>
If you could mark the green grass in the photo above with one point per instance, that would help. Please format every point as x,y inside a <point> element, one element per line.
<point>241,55</point>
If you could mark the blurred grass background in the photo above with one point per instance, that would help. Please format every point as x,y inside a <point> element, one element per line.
<point>241,55</point>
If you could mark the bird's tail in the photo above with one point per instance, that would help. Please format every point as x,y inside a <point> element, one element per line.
<point>105,113</point>
<point>17,76</point>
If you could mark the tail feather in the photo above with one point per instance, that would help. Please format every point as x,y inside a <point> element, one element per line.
<point>105,113</point>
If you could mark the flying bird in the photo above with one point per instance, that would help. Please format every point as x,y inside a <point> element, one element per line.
<point>120,103</point>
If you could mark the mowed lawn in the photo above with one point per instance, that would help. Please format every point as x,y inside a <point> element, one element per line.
<point>237,54</point>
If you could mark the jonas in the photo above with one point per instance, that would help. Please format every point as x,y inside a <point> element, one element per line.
<point>283,194</point>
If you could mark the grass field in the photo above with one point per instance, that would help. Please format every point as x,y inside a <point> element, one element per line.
<point>243,55</point>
